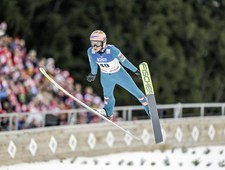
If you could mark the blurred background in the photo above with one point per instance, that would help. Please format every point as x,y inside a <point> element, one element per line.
<point>183,41</point>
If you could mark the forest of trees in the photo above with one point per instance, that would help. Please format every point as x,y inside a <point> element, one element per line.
<point>182,40</point>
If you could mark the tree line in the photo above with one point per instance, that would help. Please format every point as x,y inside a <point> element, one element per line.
<point>182,40</point>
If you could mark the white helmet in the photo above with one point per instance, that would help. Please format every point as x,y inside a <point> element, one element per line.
<point>98,38</point>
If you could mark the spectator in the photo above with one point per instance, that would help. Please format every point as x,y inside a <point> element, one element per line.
<point>24,89</point>
<point>3,28</point>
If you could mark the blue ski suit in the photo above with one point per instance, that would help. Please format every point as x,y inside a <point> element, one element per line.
<point>111,63</point>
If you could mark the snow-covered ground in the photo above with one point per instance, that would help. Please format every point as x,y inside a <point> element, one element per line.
<point>201,158</point>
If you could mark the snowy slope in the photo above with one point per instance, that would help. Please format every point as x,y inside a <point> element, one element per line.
<point>211,157</point>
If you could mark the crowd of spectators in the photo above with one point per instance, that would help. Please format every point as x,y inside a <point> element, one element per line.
<point>24,89</point>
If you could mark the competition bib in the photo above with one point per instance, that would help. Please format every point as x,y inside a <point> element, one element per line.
<point>110,67</point>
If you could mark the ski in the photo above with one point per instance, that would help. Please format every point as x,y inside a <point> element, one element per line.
<point>42,70</point>
<point>149,91</point>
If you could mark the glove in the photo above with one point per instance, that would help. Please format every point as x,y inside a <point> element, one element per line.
<point>138,73</point>
<point>90,77</point>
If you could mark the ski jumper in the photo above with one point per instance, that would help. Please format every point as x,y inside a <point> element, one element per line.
<point>111,63</point>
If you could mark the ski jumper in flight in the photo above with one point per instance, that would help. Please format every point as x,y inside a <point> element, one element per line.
<point>111,62</point>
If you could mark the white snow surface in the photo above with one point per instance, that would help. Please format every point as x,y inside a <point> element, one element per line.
<point>209,157</point>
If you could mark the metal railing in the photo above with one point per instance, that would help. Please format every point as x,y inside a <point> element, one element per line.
<point>128,112</point>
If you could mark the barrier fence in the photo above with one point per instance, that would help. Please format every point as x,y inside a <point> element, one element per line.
<point>61,142</point>
<point>178,110</point>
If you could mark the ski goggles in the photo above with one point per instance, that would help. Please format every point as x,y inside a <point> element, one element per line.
<point>96,43</point>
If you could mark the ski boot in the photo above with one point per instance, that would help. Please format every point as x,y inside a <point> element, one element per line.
<point>103,113</point>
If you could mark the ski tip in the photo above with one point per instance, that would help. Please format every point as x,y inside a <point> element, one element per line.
<point>143,63</point>
<point>42,70</point>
